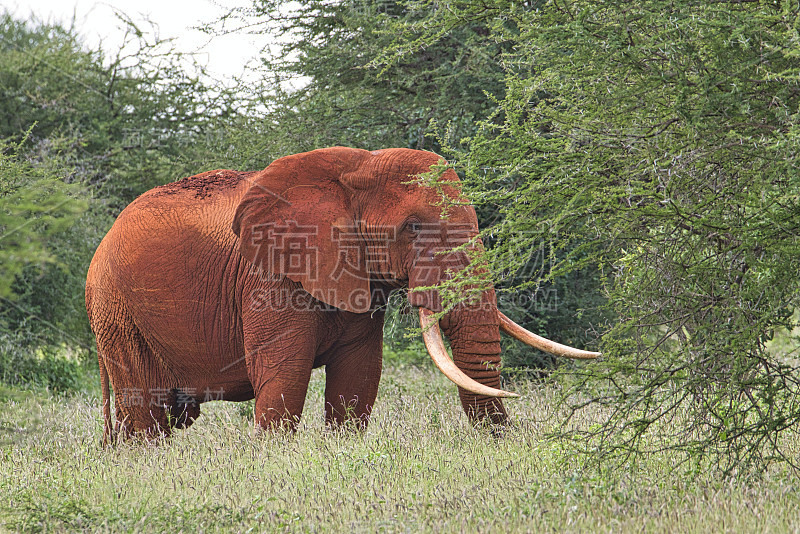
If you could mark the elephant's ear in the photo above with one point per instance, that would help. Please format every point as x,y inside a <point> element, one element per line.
<point>296,221</point>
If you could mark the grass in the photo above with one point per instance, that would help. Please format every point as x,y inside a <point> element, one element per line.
<point>420,468</point>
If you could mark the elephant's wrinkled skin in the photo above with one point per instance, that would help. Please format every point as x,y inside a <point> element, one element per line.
<point>235,285</point>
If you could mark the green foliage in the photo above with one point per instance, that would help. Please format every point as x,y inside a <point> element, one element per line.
<point>35,206</point>
<point>657,140</point>
<point>320,91</point>
<point>400,352</point>
<point>100,126</point>
<point>123,121</point>
<point>53,369</point>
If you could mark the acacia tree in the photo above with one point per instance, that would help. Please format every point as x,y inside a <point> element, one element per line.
<point>658,140</point>
<point>319,88</point>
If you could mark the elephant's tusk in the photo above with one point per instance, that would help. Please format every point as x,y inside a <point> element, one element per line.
<point>432,336</point>
<point>513,329</point>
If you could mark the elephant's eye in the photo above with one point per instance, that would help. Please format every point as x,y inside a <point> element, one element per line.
<point>414,226</point>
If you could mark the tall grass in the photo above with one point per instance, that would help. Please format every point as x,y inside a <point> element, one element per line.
<point>419,467</point>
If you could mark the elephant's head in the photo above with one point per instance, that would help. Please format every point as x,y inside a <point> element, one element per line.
<point>351,225</point>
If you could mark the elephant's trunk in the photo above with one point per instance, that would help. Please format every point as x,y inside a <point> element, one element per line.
<point>474,334</point>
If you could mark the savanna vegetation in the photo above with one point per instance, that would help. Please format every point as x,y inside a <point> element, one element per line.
<point>634,167</point>
<point>420,468</point>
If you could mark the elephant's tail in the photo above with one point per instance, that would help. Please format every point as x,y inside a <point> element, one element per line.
<point>108,436</point>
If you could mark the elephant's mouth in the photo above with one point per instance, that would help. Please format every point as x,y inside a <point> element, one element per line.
<point>432,335</point>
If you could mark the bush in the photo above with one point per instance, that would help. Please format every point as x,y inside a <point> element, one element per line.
<point>58,370</point>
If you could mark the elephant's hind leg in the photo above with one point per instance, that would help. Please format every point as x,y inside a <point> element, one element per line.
<point>182,409</point>
<point>154,412</point>
<point>144,396</point>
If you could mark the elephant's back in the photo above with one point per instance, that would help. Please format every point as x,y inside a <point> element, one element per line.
<point>206,185</point>
<point>202,200</point>
<point>171,219</point>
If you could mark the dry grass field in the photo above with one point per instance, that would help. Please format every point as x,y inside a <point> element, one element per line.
<point>419,468</point>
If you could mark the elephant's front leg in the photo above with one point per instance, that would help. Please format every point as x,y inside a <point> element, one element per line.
<point>279,362</point>
<point>353,371</point>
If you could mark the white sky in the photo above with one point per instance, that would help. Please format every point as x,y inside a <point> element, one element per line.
<point>225,56</point>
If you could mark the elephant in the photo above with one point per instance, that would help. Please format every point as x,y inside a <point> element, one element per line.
<point>234,285</point>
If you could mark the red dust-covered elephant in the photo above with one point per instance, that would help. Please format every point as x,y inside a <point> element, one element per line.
<point>235,285</point>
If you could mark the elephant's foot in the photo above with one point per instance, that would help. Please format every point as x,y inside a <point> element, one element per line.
<point>274,422</point>
<point>347,414</point>
<point>154,424</point>
<point>149,432</point>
